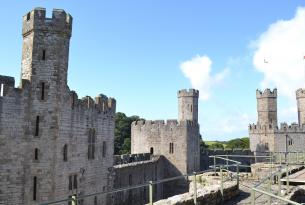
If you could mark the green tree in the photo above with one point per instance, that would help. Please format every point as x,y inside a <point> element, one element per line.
<point>216,145</point>
<point>241,143</point>
<point>122,132</point>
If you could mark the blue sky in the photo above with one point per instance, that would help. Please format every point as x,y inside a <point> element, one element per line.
<point>142,52</point>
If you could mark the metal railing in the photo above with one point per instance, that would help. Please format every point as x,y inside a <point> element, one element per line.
<point>227,165</point>
<point>75,199</point>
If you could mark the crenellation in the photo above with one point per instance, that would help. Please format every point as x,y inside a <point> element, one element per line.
<point>36,20</point>
<point>267,93</point>
<point>188,93</point>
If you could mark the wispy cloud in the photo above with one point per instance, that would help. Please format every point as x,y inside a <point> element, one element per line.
<point>198,71</point>
<point>279,55</point>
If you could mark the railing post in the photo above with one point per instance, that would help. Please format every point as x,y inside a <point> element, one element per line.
<point>151,193</point>
<point>221,183</point>
<point>252,197</point>
<point>287,177</point>
<point>195,189</point>
<point>269,190</point>
<point>237,177</point>
<point>214,164</point>
<point>297,157</point>
<point>227,163</point>
<point>279,176</point>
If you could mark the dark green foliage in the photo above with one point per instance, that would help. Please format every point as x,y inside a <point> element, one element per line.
<point>242,143</point>
<point>216,145</point>
<point>122,133</point>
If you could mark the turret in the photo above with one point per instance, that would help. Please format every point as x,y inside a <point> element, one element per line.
<point>267,107</point>
<point>300,96</point>
<point>45,50</point>
<point>188,105</point>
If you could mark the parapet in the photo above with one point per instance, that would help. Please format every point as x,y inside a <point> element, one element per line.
<point>267,93</point>
<point>284,128</point>
<point>148,124</point>
<point>300,93</point>
<point>101,103</point>
<point>61,22</point>
<point>6,82</point>
<point>188,93</point>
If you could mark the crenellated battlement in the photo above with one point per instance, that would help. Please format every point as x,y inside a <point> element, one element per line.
<point>101,103</point>
<point>161,123</point>
<point>284,127</point>
<point>300,93</point>
<point>267,93</point>
<point>188,93</point>
<point>61,22</point>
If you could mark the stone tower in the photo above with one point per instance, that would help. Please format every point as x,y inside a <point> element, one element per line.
<point>45,50</point>
<point>300,95</point>
<point>267,107</point>
<point>45,54</point>
<point>188,105</point>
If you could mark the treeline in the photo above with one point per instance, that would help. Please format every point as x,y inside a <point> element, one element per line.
<point>237,143</point>
<point>122,142</point>
<point>122,132</point>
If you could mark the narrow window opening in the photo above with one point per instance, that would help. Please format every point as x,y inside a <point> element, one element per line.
<point>2,90</point>
<point>43,54</point>
<point>65,153</point>
<point>35,188</point>
<point>75,182</point>
<point>28,16</point>
<point>95,200</point>
<point>36,154</point>
<point>37,126</point>
<point>91,144</point>
<point>172,148</point>
<point>42,90</point>
<point>191,108</point>
<point>70,182</point>
<point>104,149</point>
<point>151,150</point>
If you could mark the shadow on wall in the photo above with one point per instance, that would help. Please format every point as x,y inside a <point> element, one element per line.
<point>174,187</point>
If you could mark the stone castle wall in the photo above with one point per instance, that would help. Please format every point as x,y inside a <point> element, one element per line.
<point>137,173</point>
<point>157,137</point>
<point>42,120</point>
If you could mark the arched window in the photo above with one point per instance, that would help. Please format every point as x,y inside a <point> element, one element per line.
<point>151,150</point>
<point>65,153</point>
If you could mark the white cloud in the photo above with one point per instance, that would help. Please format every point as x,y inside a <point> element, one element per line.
<point>198,71</point>
<point>282,45</point>
<point>228,126</point>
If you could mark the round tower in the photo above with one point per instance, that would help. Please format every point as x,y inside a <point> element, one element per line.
<point>188,105</point>
<point>300,96</point>
<point>267,107</point>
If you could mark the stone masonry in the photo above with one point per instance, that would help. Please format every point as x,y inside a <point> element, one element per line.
<point>266,135</point>
<point>177,140</point>
<point>52,144</point>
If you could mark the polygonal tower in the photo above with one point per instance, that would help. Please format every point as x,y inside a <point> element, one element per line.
<point>45,49</point>
<point>267,107</point>
<point>188,105</point>
<point>300,96</point>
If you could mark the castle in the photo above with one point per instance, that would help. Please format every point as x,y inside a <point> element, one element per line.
<point>266,135</point>
<point>54,145</point>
